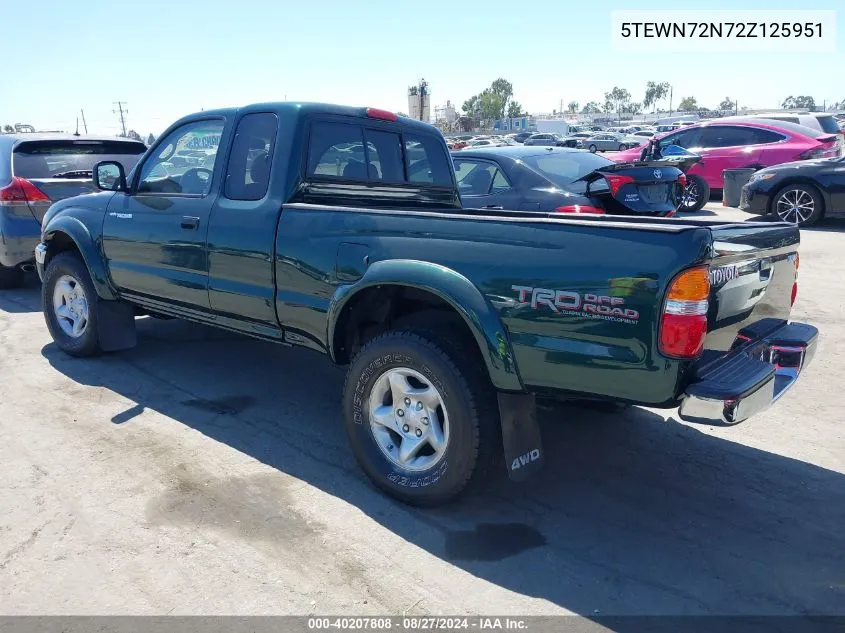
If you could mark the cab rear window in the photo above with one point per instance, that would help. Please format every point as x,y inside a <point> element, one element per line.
<point>350,151</point>
<point>51,159</point>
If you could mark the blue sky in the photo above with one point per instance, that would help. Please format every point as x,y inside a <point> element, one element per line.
<point>169,58</point>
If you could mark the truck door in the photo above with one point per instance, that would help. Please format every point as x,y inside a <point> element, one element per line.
<point>154,235</point>
<point>242,229</point>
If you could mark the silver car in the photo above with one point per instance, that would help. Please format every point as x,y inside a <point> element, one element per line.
<point>38,169</point>
<point>611,142</point>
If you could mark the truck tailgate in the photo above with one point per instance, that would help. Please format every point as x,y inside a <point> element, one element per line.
<point>752,273</point>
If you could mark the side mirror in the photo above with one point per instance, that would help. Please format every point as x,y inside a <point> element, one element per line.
<point>109,176</point>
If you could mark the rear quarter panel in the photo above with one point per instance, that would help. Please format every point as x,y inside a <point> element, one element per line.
<point>554,349</point>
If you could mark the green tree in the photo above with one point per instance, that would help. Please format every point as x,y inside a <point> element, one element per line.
<point>572,108</point>
<point>514,110</point>
<point>805,102</point>
<point>8,129</point>
<point>616,99</point>
<point>631,108</point>
<point>654,92</point>
<point>503,89</point>
<point>591,108</point>
<point>134,136</point>
<point>490,105</point>
<point>688,104</point>
<point>470,104</point>
<point>727,104</point>
<point>151,139</point>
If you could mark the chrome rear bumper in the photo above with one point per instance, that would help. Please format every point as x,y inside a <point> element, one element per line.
<point>751,377</point>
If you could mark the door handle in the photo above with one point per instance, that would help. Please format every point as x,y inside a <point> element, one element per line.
<point>190,223</point>
<point>492,206</point>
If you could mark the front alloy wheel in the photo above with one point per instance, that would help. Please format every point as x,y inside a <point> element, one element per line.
<point>70,306</point>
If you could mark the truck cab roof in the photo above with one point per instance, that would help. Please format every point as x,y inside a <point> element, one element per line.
<point>304,108</point>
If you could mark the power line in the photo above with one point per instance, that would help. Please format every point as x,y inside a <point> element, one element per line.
<point>120,109</point>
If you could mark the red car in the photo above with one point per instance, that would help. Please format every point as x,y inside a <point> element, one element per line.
<point>739,142</point>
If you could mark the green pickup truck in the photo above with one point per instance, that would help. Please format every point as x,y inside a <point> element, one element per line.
<point>341,229</point>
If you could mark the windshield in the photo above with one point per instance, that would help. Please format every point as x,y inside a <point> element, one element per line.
<point>565,168</point>
<point>47,159</point>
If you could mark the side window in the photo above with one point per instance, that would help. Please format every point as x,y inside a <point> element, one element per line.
<point>384,156</point>
<point>248,174</point>
<point>685,139</point>
<point>337,149</point>
<point>727,136</point>
<point>428,161</point>
<point>761,136</point>
<point>500,182</point>
<point>475,178</point>
<point>184,162</point>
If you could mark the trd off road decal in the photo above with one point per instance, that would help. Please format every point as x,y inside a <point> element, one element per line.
<point>572,303</point>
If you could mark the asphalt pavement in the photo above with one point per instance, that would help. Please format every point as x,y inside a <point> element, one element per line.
<point>207,473</point>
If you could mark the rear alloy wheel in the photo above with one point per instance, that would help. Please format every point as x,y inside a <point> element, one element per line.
<point>421,416</point>
<point>695,195</point>
<point>10,277</point>
<point>593,148</point>
<point>622,147</point>
<point>798,204</point>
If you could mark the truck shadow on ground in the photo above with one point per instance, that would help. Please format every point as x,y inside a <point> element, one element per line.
<point>632,514</point>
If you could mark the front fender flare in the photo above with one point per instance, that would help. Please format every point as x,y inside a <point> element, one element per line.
<point>456,290</point>
<point>87,247</point>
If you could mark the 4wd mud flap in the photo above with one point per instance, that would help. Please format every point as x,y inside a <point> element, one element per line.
<point>116,325</point>
<point>520,435</point>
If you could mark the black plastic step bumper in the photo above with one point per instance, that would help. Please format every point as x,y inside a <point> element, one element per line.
<point>751,377</point>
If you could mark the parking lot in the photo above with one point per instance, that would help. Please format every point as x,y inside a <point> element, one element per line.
<point>207,473</point>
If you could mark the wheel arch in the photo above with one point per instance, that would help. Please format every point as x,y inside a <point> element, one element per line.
<point>440,288</point>
<point>70,234</point>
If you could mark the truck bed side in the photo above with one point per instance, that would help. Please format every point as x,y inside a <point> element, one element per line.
<point>617,270</point>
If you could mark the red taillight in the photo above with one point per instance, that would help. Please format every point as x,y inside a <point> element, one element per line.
<point>682,336</point>
<point>682,180</point>
<point>580,208</point>
<point>615,181</point>
<point>384,115</point>
<point>21,190</point>
<point>794,294</point>
<point>828,150</point>
<point>683,324</point>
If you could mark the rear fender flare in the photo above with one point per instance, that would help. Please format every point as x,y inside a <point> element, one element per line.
<point>456,290</point>
<point>87,246</point>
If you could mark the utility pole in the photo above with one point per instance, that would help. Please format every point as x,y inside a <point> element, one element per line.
<point>670,100</point>
<point>84,124</point>
<point>120,109</point>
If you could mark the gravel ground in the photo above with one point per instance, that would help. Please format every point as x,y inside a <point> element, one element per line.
<point>207,473</point>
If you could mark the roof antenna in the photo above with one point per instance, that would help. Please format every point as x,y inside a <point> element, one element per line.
<point>77,127</point>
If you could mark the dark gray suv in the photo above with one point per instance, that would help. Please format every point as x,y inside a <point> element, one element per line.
<point>37,170</point>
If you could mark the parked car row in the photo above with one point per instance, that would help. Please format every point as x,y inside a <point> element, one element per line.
<point>740,142</point>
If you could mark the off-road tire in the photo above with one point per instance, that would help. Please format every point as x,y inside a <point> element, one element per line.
<point>70,263</point>
<point>474,431</point>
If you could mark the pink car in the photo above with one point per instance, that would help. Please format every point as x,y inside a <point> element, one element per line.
<point>739,142</point>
